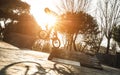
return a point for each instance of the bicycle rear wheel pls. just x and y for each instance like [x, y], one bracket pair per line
[56, 43]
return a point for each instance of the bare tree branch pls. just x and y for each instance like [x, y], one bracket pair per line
[109, 13]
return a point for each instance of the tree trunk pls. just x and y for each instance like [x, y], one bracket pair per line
[74, 45]
[99, 45]
[108, 45]
[71, 42]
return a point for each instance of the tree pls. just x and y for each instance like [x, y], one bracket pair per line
[78, 23]
[22, 28]
[70, 8]
[116, 38]
[74, 15]
[11, 9]
[116, 33]
[109, 15]
[26, 25]
[73, 6]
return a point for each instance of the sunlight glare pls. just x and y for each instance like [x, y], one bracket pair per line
[37, 10]
[51, 20]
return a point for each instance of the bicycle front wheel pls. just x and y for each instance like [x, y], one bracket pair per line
[43, 34]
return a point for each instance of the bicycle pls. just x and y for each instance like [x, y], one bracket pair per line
[50, 34]
[47, 35]
[44, 37]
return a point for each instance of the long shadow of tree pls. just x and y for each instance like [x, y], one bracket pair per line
[57, 69]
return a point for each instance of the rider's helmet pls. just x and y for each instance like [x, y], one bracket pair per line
[47, 10]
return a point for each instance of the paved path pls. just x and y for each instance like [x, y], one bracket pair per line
[15, 61]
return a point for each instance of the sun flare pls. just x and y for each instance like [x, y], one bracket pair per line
[44, 19]
[50, 20]
[37, 10]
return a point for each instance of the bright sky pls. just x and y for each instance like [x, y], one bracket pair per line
[37, 9]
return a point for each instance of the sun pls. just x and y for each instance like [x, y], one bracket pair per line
[37, 10]
[43, 18]
[50, 20]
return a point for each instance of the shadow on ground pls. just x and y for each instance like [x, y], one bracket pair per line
[38, 69]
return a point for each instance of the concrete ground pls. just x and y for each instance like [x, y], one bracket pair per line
[15, 61]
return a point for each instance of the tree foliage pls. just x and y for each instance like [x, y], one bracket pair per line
[77, 23]
[116, 33]
[75, 20]
[19, 23]
[12, 9]
[26, 25]
[73, 24]
[14, 6]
